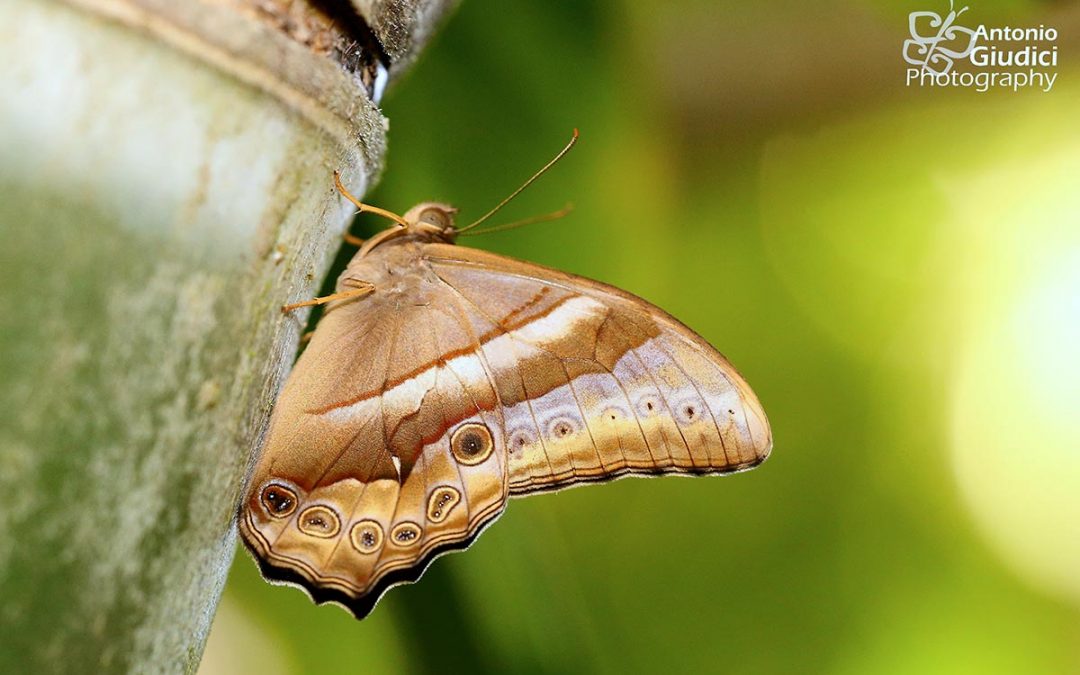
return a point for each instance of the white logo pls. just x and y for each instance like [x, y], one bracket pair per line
[947, 54]
[942, 44]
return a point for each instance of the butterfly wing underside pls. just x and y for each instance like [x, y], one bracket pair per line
[595, 383]
[416, 412]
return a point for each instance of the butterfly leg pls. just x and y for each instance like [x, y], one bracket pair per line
[362, 288]
[352, 239]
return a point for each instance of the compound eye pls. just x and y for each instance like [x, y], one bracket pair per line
[437, 217]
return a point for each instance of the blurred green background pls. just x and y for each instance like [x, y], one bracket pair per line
[897, 273]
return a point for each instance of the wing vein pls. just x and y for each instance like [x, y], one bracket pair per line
[528, 402]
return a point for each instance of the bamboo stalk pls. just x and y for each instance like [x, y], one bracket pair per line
[165, 186]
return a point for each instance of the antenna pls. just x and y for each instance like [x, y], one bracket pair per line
[526, 184]
[554, 215]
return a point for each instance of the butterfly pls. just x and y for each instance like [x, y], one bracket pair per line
[443, 380]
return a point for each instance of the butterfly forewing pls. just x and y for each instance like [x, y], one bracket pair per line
[467, 377]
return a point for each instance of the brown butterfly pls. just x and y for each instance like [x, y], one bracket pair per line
[443, 380]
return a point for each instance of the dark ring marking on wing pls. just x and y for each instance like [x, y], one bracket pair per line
[359, 602]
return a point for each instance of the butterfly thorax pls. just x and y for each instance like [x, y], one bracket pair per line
[389, 262]
[396, 270]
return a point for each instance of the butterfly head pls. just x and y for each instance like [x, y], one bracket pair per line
[431, 220]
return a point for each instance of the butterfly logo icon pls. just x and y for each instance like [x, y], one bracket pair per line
[937, 42]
